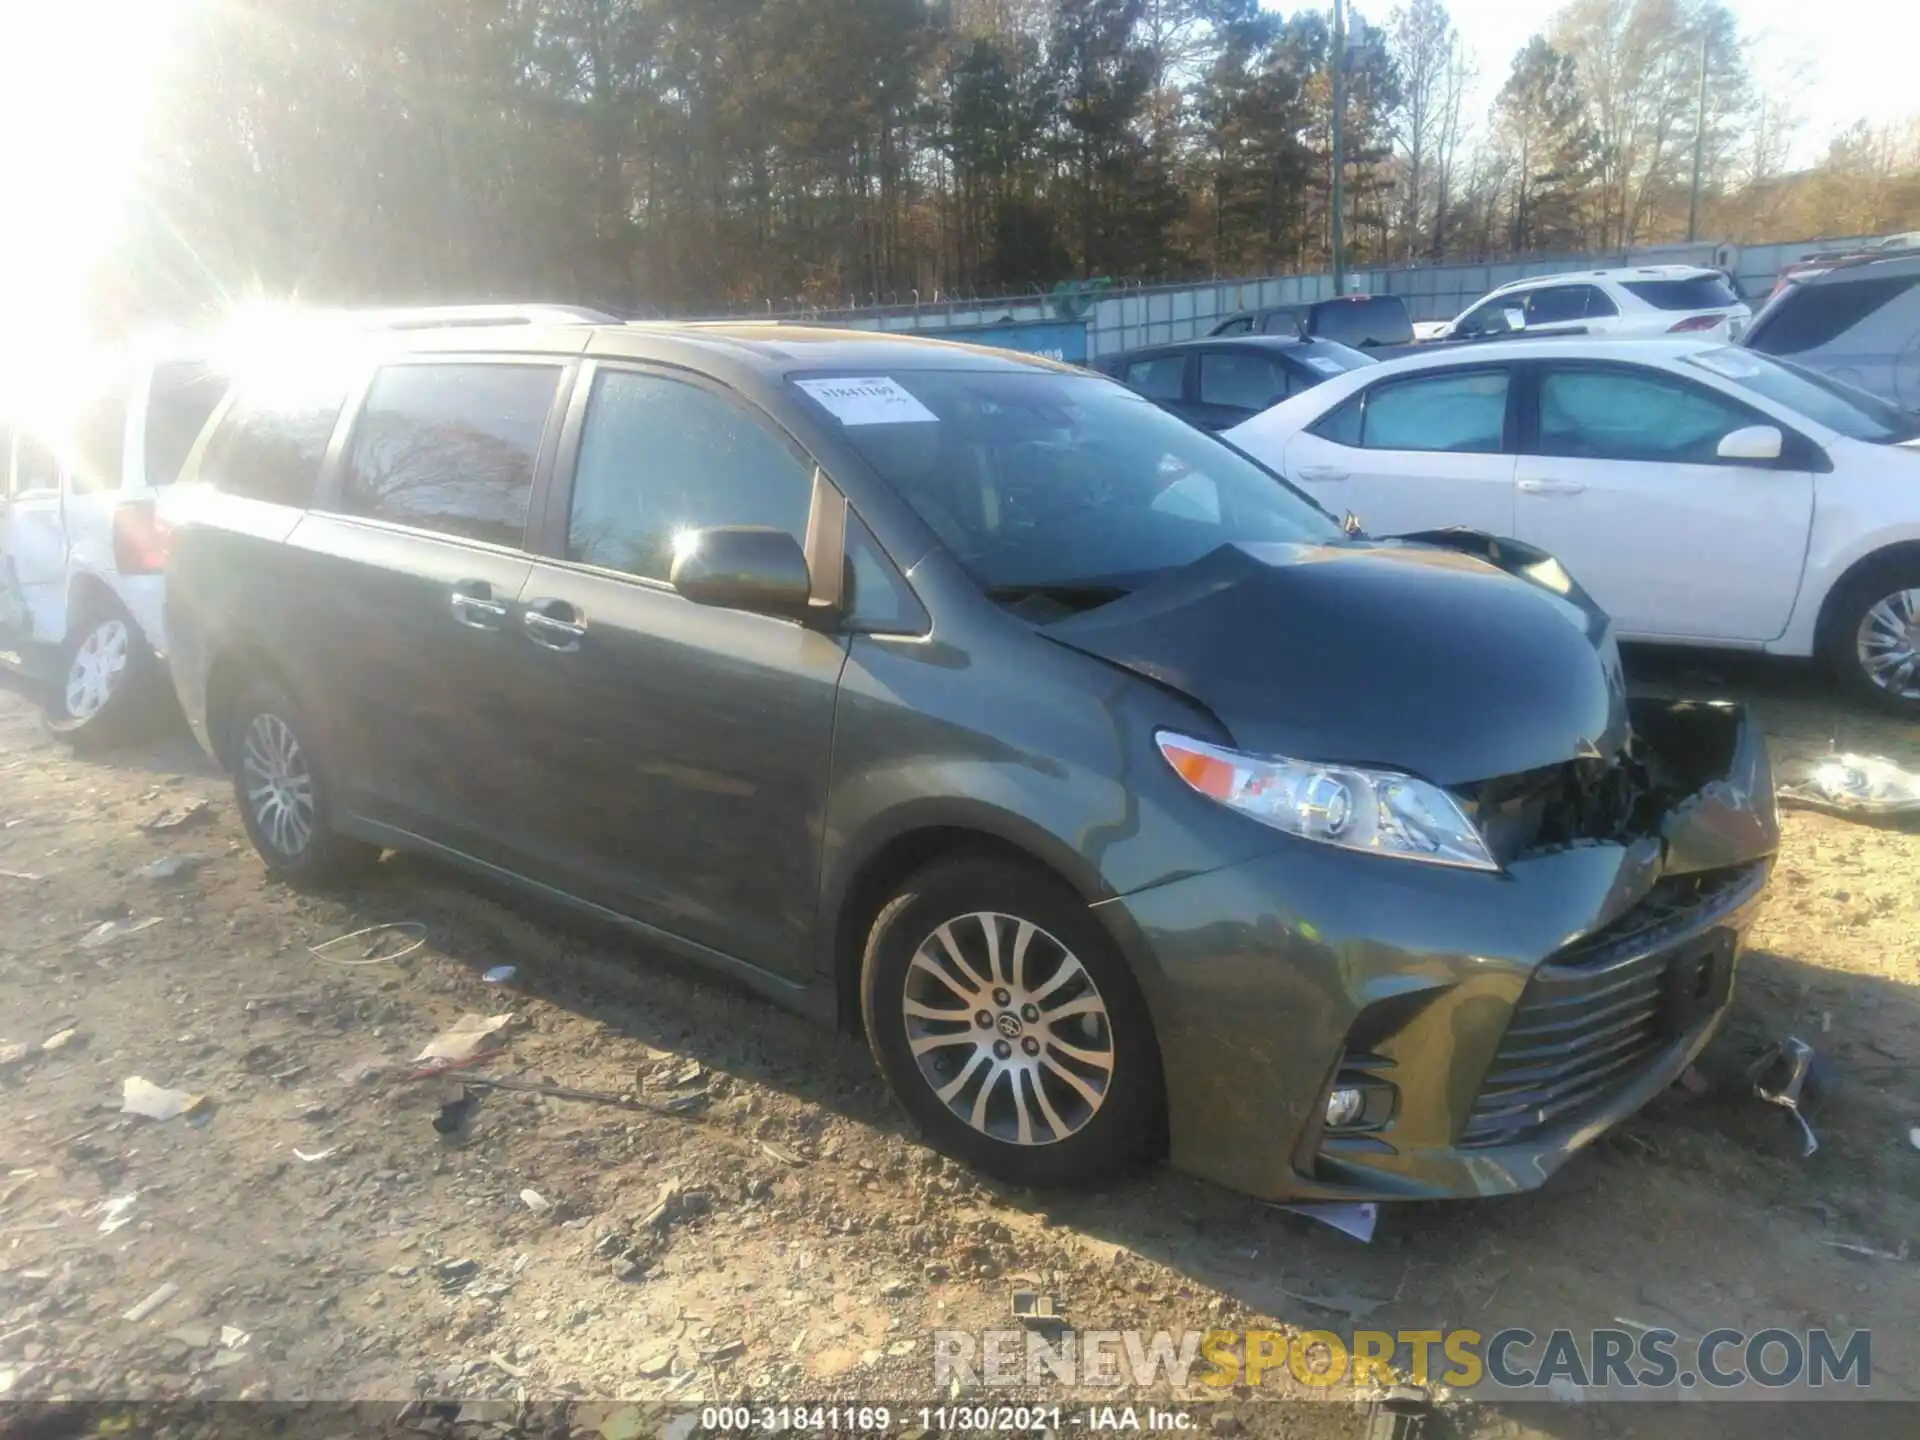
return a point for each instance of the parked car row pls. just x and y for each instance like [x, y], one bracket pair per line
[1703, 493]
[1126, 802]
[1220, 382]
[1255, 359]
[1851, 314]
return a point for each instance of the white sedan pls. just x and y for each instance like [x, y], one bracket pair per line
[1704, 495]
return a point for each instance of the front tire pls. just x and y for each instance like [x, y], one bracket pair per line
[282, 789]
[1872, 643]
[103, 686]
[1009, 1027]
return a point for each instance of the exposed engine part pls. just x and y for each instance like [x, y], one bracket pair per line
[1673, 753]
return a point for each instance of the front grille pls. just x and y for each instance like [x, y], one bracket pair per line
[1591, 1015]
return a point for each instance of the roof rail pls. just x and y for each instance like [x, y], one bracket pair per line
[434, 317]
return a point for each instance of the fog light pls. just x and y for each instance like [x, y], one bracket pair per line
[1344, 1104]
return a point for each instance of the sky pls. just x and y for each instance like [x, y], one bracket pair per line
[1848, 75]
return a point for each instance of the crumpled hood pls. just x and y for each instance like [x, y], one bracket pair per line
[1415, 657]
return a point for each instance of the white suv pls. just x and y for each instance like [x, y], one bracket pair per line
[1641, 301]
[81, 551]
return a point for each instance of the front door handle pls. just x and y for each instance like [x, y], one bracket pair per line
[1551, 487]
[1322, 474]
[473, 605]
[556, 624]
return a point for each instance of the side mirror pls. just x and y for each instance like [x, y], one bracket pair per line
[742, 567]
[1350, 526]
[1515, 317]
[1751, 442]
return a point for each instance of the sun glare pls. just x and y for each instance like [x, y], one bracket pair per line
[73, 116]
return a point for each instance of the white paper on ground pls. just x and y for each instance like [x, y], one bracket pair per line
[1350, 1219]
[464, 1039]
[140, 1096]
[867, 400]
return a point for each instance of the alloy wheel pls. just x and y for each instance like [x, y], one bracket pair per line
[279, 784]
[1887, 644]
[1008, 1028]
[96, 668]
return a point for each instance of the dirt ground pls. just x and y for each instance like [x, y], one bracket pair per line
[756, 1220]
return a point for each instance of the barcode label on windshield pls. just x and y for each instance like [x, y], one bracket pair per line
[867, 400]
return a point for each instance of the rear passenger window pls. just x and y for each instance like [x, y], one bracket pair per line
[269, 444]
[1160, 378]
[1458, 413]
[660, 457]
[451, 448]
[1240, 380]
[36, 467]
[100, 438]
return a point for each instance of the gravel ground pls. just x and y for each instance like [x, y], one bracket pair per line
[744, 1214]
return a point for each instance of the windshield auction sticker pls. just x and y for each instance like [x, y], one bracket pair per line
[867, 400]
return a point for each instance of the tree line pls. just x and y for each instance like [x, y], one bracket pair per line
[688, 156]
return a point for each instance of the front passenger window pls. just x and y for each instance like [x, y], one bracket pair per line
[660, 457]
[1556, 304]
[1618, 415]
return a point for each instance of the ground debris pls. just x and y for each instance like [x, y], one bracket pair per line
[140, 1096]
[178, 817]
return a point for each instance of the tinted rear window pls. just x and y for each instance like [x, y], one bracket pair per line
[99, 437]
[183, 394]
[1698, 292]
[269, 444]
[451, 447]
[1363, 320]
[1810, 316]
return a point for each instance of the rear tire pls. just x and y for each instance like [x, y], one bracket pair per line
[1872, 640]
[106, 681]
[1060, 1086]
[282, 788]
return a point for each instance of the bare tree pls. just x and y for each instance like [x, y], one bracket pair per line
[1422, 42]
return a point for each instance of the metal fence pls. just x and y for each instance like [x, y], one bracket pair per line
[1124, 318]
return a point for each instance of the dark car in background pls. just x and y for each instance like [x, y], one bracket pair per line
[976, 702]
[1857, 320]
[1217, 383]
[1361, 321]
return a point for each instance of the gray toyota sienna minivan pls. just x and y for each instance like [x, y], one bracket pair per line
[1126, 803]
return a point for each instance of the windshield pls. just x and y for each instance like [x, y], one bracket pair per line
[1066, 486]
[1833, 403]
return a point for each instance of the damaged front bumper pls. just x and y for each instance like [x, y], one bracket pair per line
[1494, 1023]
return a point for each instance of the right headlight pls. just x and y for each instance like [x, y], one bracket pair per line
[1378, 812]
